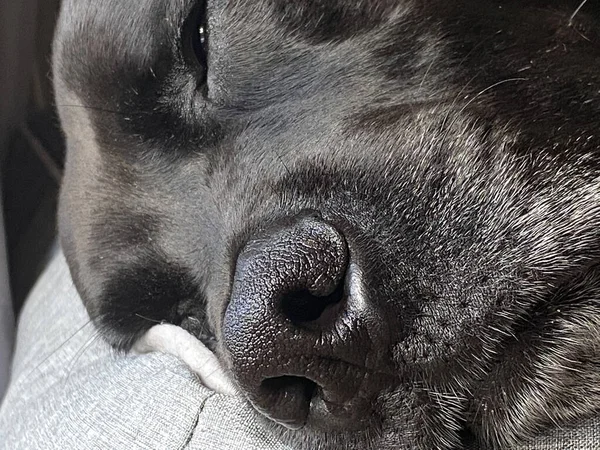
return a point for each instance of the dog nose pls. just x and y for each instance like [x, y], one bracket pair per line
[287, 321]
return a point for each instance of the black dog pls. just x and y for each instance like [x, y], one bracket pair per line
[384, 215]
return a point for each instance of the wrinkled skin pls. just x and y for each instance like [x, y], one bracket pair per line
[454, 145]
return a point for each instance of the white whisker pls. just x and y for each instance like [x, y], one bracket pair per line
[576, 11]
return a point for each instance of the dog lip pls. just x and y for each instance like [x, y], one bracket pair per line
[349, 415]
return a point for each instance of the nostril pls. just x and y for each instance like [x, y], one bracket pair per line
[287, 382]
[303, 307]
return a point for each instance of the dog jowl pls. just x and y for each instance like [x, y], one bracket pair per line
[384, 216]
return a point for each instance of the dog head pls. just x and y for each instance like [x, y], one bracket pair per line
[383, 215]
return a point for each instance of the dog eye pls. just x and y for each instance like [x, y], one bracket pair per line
[197, 36]
[202, 34]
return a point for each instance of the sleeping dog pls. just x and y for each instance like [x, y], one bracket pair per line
[382, 216]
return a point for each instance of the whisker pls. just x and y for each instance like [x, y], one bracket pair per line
[483, 91]
[456, 98]
[576, 12]
[148, 319]
[104, 110]
[468, 83]
[210, 374]
[87, 344]
[280, 158]
[426, 73]
[58, 348]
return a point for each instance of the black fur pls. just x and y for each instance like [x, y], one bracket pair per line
[455, 144]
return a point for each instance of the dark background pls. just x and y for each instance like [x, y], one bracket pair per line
[31, 147]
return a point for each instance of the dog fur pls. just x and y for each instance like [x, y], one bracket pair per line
[455, 144]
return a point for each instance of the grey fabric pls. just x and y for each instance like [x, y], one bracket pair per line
[69, 391]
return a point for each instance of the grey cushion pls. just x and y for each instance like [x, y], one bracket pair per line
[70, 391]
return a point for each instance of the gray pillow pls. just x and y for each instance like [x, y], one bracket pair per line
[70, 391]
